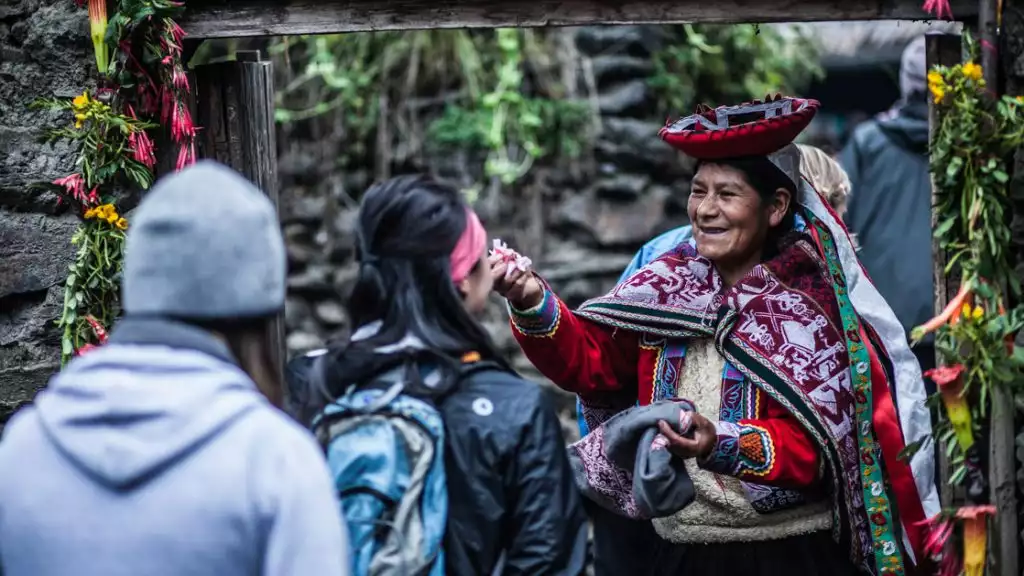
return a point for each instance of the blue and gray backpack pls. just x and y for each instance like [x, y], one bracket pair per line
[385, 450]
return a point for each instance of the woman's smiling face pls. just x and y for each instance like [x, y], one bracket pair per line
[730, 218]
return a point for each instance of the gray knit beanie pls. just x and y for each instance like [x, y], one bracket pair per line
[204, 244]
[913, 70]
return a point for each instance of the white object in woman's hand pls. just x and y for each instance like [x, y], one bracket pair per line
[514, 260]
[513, 277]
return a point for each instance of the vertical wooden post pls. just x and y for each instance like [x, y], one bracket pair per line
[235, 108]
[944, 50]
[1002, 461]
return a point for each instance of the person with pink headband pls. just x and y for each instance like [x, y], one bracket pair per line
[496, 493]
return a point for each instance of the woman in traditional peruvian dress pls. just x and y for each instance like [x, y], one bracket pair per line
[786, 356]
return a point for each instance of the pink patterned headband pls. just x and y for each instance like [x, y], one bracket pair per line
[469, 248]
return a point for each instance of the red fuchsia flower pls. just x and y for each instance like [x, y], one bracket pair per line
[181, 123]
[72, 183]
[170, 48]
[141, 144]
[975, 519]
[74, 186]
[84, 349]
[97, 329]
[950, 383]
[176, 32]
[174, 35]
[186, 155]
[142, 148]
[167, 105]
[93, 198]
[939, 8]
[179, 78]
[939, 530]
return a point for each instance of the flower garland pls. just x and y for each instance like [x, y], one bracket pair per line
[112, 128]
[974, 334]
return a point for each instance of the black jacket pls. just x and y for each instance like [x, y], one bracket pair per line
[890, 208]
[513, 508]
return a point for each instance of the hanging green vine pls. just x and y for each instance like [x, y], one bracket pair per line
[729, 63]
[515, 130]
[112, 131]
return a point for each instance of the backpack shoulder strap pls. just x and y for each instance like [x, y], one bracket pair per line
[478, 368]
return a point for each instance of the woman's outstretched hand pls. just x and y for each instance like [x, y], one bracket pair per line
[705, 437]
[514, 279]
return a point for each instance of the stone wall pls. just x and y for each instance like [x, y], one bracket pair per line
[595, 212]
[44, 51]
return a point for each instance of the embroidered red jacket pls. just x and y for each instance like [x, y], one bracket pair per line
[759, 442]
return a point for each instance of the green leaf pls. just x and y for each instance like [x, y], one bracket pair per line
[950, 448]
[910, 449]
[945, 226]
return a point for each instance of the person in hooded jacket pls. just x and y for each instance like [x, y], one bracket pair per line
[157, 454]
[424, 273]
[889, 208]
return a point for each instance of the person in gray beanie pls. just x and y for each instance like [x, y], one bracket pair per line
[890, 202]
[156, 453]
[889, 206]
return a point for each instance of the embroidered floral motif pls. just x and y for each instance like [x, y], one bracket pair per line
[756, 450]
[887, 556]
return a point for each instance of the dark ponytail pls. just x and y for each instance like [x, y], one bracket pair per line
[407, 229]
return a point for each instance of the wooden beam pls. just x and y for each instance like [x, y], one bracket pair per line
[233, 18]
[235, 107]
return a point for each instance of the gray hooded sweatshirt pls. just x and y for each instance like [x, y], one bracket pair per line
[155, 455]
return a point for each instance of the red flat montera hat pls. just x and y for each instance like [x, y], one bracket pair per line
[750, 129]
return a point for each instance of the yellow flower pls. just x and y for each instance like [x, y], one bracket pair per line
[121, 223]
[90, 213]
[82, 101]
[972, 71]
[105, 211]
[978, 313]
[937, 85]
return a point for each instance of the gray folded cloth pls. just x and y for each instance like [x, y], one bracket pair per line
[623, 464]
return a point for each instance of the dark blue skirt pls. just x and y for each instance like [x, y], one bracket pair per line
[623, 546]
